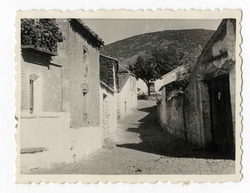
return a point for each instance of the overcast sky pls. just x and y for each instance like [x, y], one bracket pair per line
[112, 30]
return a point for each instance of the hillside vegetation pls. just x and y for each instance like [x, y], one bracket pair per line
[190, 41]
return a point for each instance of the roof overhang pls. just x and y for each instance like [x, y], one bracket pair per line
[107, 87]
[89, 31]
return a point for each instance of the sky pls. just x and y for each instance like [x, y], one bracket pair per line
[112, 30]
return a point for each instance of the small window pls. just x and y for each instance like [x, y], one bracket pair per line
[85, 61]
[31, 96]
[33, 92]
[84, 50]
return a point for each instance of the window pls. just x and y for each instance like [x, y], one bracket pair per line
[85, 61]
[31, 96]
[34, 93]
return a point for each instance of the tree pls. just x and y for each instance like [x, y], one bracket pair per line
[158, 64]
[166, 60]
[145, 70]
[40, 33]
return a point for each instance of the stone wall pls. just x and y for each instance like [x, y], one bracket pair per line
[108, 114]
[192, 113]
[80, 73]
[171, 115]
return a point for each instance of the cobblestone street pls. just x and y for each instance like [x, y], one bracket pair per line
[142, 147]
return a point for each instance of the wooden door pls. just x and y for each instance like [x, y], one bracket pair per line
[221, 114]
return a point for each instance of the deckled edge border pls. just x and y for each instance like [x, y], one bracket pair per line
[87, 179]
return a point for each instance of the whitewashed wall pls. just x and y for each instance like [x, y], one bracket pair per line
[127, 100]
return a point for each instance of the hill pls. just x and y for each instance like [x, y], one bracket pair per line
[190, 41]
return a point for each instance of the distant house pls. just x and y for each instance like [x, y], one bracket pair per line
[127, 93]
[60, 100]
[108, 85]
[142, 88]
[203, 112]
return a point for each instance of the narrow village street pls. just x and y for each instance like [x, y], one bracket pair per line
[142, 147]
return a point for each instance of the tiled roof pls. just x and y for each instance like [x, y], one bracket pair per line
[123, 70]
[91, 32]
[108, 57]
[123, 76]
[107, 87]
[122, 79]
[217, 33]
[106, 70]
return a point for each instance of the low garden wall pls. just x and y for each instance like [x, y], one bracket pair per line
[48, 139]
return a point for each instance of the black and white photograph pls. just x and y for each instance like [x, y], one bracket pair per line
[128, 96]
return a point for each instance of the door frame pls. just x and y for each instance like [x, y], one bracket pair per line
[214, 144]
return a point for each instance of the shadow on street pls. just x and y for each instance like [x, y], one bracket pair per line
[157, 141]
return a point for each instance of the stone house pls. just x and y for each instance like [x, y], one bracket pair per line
[198, 111]
[60, 100]
[108, 98]
[210, 94]
[127, 93]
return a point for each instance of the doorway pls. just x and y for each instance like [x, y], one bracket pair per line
[105, 120]
[221, 114]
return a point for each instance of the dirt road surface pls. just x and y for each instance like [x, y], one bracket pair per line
[142, 147]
